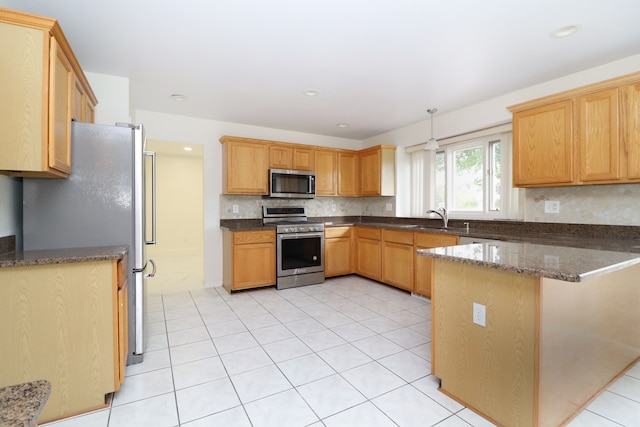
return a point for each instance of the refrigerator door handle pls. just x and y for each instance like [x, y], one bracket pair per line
[152, 154]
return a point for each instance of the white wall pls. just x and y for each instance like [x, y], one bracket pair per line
[113, 98]
[603, 203]
[207, 133]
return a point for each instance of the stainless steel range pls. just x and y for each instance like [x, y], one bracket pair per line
[300, 246]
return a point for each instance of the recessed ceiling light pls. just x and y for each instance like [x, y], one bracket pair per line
[311, 92]
[343, 125]
[178, 97]
[187, 148]
[565, 31]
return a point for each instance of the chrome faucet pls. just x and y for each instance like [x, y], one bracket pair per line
[443, 215]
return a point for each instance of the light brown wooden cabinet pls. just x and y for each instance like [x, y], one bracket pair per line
[326, 163]
[245, 166]
[398, 258]
[67, 325]
[369, 252]
[249, 259]
[288, 156]
[423, 269]
[338, 246]
[588, 135]
[348, 173]
[378, 171]
[38, 81]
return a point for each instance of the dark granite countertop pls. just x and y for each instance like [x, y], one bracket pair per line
[61, 256]
[21, 404]
[603, 237]
[555, 262]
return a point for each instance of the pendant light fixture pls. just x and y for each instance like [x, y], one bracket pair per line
[432, 144]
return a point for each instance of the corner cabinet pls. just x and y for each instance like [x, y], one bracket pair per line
[249, 259]
[588, 135]
[378, 171]
[41, 84]
[69, 326]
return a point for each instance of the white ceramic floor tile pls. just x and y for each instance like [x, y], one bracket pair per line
[305, 369]
[235, 342]
[152, 361]
[218, 316]
[292, 315]
[228, 327]
[155, 328]
[271, 334]
[142, 386]
[364, 414]
[406, 337]
[330, 395]
[154, 316]
[322, 340]
[454, 421]
[159, 411]
[180, 313]
[156, 342]
[423, 350]
[331, 320]
[627, 386]
[304, 326]
[344, 357]
[259, 321]
[188, 336]
[94, 419]
[377, 347]
[353, 331]
[193, 351]
[474, 419]
[198, 372]
[286, 349]
[245, 360]
[381, 324]
[589, 419]
[617, 408]
[429, 386]
[405, 318]
[235, 417]
[206, 399]
[407, 365]
[260, 383]
[184, 323]
[282, 409]
[373, 379]
[409, 407]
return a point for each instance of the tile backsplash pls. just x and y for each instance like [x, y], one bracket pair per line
[614, 204]
[251, 206]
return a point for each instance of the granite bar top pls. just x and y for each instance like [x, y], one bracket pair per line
[21, 404]
[62, 256]
[554, 262]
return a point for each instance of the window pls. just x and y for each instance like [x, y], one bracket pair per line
[468, 177]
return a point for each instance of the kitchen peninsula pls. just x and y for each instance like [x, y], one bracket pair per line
[528, 334]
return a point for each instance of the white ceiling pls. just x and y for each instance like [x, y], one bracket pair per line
[377, 64]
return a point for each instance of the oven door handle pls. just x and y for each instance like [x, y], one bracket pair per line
[287, 236]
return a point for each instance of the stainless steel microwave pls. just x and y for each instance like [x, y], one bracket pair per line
[292, 184]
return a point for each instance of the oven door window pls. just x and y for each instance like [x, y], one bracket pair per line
[303, 252]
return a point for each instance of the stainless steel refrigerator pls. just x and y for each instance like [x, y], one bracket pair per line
[102, 203]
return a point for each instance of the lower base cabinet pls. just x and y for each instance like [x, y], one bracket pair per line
[338, 245]
[397, 258]
[424, 266]
[369, 253]
[249, 259]
[64, 323]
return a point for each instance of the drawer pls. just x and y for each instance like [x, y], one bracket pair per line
[368, 233]
[395, 236]
[435, 240]
[247, 237]
[334, 232]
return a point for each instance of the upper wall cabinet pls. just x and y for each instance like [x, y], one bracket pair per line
[589, 135]
[378, 171]
[43, 88]
[245, 166]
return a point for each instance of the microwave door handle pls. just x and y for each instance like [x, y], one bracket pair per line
[310, 188]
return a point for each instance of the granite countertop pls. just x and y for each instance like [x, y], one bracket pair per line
[21, 404]
[61, 256]
[554, 262]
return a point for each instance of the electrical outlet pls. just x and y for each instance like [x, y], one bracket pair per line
[235, 208]
[333, 207]
[479, 314]
[552, 206]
